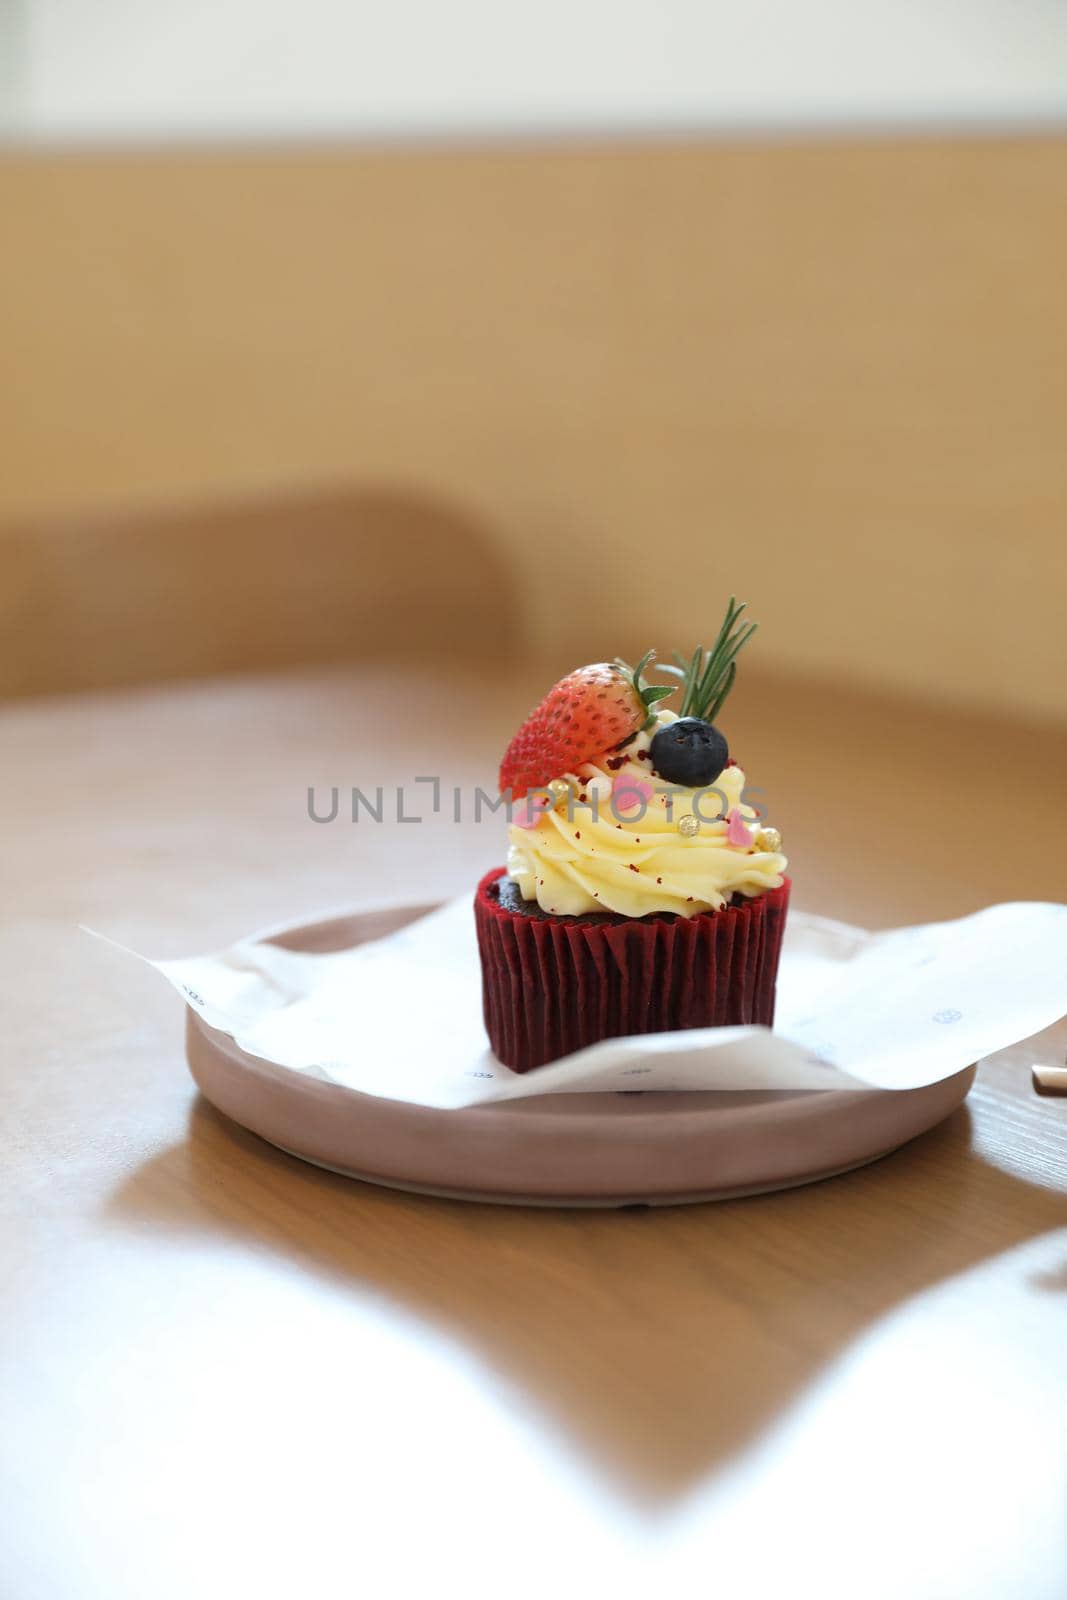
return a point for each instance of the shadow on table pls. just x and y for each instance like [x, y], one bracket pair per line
[659, 1342]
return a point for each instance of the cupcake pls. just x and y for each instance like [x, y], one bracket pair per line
[641, 892]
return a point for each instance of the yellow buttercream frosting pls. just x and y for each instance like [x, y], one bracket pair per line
[635, 863]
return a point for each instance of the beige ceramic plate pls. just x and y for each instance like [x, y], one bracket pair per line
[568, 1149]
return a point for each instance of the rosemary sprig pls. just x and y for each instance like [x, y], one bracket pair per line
[708, 676]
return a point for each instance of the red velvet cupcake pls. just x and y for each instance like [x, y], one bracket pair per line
[641, 893]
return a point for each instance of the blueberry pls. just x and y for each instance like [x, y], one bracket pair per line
[689, 751]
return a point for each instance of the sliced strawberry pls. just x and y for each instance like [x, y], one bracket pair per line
[585, 714]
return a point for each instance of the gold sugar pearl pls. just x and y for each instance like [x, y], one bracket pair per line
[768, 839]
[688, 826]
[558, 790]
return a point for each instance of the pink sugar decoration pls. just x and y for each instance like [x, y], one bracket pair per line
[529, 811]
[737, 830]
[629, 793]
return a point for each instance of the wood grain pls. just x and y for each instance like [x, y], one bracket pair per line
[228, 1373]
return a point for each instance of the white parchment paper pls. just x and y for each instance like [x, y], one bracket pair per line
[401, 1017]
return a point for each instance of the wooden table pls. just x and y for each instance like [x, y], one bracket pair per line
[226, 1373]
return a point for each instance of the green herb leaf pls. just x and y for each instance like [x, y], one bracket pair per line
[708, 676]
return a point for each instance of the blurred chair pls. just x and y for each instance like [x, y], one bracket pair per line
[263, 583]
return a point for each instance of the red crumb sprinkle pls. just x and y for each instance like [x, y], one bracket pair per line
[577, 835]
[615, 762]
[643, 755]
[618, 824]
[659, 880]
[632, 867]
[689, 899]
[584, 798]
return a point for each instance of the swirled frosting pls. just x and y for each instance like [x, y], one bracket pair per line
[636, 861]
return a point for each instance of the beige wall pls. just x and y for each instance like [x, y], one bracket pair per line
[832, 377]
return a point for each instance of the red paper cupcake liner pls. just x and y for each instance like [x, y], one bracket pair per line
[552, 985]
